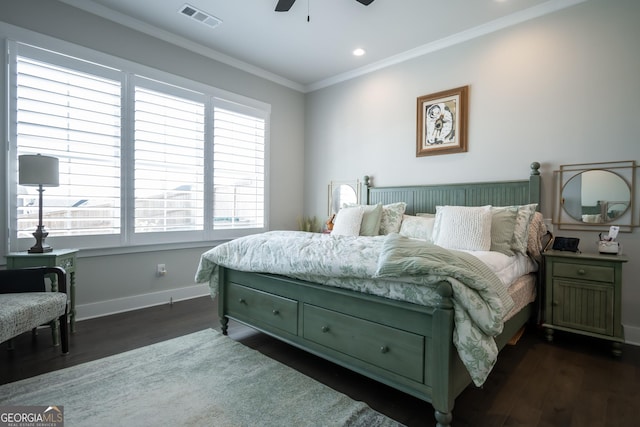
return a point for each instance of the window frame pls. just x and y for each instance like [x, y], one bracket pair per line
[129, 74]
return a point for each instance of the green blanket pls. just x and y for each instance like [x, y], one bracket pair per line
[480, 299]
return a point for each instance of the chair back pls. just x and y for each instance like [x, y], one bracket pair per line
[22, 280]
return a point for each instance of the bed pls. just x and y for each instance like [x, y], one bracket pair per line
[426, 349]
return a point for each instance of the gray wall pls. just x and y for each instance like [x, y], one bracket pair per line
[115, 282]
[560, 89]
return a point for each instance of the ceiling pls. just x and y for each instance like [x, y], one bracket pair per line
[306, 55]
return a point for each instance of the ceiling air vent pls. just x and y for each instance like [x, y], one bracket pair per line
[199, 16]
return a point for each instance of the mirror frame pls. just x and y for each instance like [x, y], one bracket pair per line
[626, 170]
[354, 184]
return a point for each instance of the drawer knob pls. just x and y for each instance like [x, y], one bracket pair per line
[325, 329]
[241, 301]
[276, 311]
[384, 349]
[581, 271]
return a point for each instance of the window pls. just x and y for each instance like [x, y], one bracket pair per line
[169, 162]
[238, 170]
[142, 160]
[74, 116]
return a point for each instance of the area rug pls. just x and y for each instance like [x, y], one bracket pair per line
[201, 379]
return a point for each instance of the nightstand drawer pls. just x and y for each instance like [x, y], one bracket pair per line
[584, 272]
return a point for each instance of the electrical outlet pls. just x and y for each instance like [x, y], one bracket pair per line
[161, 270]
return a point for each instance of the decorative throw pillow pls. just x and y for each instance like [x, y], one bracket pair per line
[372, 214]
[521, 229]
[347, 222]
[417, 227]
[463, 227]
[392, 217]
[537, 230]
[503, 223]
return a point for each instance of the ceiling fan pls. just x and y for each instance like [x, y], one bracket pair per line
[285, 5]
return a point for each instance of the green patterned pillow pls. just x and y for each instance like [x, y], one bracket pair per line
[392, 217]
[521, 229]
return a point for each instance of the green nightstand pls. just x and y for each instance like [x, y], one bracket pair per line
[582, 295]
[65, 258]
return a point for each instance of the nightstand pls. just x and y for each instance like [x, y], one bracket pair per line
[583, 294]
[65, 258]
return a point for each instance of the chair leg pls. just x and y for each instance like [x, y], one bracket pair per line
[64, 333]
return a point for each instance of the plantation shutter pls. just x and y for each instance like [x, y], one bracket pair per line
[169, 162]
[73, 115]
[238, 170]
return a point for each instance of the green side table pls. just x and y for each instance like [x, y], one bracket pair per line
[65, 258]
[583, 292]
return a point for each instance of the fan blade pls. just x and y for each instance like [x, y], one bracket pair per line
[365, 2]
[285, 5]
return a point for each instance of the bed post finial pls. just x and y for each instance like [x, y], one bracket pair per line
[366, 180]
[535, 168]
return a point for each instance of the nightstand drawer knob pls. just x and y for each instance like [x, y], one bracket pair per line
[582, 271]
[276, 312]
[242, 301]
[384, 349]
[325, 329]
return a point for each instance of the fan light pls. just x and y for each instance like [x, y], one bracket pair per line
[359, 52]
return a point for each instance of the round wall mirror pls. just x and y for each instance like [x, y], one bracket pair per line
[596, 196]
[340, 195]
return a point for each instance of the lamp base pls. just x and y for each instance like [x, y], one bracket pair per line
[40, 247]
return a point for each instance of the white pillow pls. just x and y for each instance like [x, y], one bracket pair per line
[463, 227]
[417, 227]
[347, 222]
[372, 214]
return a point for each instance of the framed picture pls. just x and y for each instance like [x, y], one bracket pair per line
[442, 122]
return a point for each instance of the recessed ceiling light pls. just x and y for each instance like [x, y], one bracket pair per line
[359, 52]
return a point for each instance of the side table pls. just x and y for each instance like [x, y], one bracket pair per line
[65, 258]
[583, 294]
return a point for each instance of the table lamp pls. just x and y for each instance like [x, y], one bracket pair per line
[38, 171]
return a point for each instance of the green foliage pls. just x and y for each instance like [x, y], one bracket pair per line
[307, 223]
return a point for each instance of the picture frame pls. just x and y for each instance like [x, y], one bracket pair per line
[442, 122]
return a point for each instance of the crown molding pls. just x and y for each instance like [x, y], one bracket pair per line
[546, 8]
[470, 34]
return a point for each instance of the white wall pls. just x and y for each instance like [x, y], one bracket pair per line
[560, 89]
[118, 282]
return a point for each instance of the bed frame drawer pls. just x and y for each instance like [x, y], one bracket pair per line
[265, 309]
[388, 348]
[584, 272]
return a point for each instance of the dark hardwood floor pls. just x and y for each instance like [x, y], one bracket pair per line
[573, 382]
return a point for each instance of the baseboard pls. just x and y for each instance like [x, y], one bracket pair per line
[120, 305]
[632, 335]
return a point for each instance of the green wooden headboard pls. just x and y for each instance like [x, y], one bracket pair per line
[425, 198]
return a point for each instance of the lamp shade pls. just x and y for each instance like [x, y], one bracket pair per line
[36, 169]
